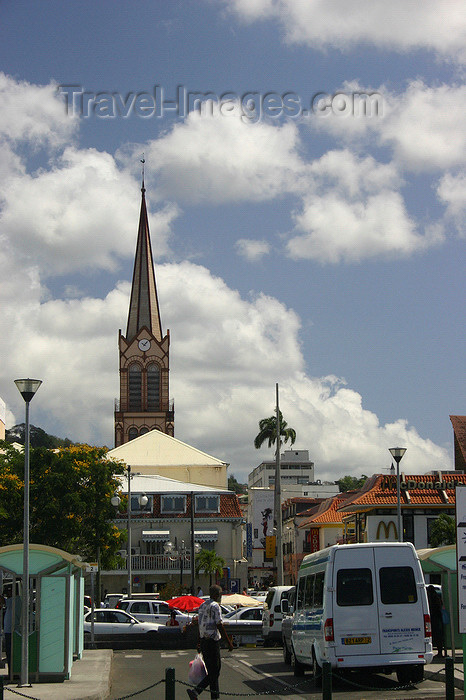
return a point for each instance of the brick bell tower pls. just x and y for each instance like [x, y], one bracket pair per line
[144, 403]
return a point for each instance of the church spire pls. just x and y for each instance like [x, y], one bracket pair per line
[144, 305]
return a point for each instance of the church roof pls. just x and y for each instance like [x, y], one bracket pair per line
[157, 449]
[144, 305]
[154, 483]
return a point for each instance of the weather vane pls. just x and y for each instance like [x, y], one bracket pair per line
[142, 160]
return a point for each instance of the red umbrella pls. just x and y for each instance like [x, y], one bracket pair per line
[188, 603]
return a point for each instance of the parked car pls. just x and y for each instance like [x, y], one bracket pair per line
[113, 621]
[111, 599]
[244, 625]
[287, 623]
[252, 617]
[272, 620]
[151, 611]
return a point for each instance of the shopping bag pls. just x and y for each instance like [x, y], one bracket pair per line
[197, 670]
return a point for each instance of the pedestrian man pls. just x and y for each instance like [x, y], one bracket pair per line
[211, 631]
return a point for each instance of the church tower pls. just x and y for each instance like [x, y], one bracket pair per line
[144, 403]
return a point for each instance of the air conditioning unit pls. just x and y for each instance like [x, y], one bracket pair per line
[123, 553]
[135, 550]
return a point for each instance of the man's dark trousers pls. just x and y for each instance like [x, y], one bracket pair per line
[210, 649]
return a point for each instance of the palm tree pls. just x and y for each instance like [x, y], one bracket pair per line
[268, 431]
[211, 562]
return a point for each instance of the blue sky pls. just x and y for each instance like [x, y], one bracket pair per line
[323, 251]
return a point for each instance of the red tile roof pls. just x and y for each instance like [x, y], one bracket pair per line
[327, 512]
[459, 431]
[416, 490]
[229, 508]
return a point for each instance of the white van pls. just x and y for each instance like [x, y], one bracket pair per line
[362, 606]
[273, 616]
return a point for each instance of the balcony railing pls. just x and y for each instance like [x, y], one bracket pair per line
[157, 562]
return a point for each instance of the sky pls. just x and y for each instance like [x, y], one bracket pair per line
[306, 187]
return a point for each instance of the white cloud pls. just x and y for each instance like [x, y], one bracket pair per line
[82, 203]
[251, 249]
[227, 352]
[425, 125]
[226, 355]
[400, 25]
[224, 159]
[353, 212]
[452, 191]
[33, 113]
[422, 126]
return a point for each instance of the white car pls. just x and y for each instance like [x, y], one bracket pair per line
[112, 621]
[152, 611]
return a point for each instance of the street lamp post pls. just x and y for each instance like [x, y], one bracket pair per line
[143, 501]
[180, 553]
[397, 454]
[27, 388]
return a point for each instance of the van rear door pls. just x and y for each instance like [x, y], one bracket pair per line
[355, 610]
[401, 609]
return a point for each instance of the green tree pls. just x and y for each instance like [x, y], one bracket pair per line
[211, 562]
[234, 485]
[268, 431]
[443, 531]
[70, 492]
[351, 483]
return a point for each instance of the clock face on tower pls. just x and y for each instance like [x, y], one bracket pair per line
[144, 345]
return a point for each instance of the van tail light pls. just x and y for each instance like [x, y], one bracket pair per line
[427, 626]
[328, 629]
[271, 620]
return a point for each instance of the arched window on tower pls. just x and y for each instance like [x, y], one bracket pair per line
[132, 433]
[153, 387]
[143, 431]
[135, 387]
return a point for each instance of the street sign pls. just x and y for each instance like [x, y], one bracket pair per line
[235, 584]
[249, 540]
[92, 568]
[460, 493]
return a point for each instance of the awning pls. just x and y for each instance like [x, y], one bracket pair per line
[152, 535]
[206, 535]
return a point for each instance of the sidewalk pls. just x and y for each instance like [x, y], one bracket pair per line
[437, 668]
[90, 680]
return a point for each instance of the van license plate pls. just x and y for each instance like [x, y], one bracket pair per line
[357, 640]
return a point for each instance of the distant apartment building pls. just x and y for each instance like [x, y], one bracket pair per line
[295, 467]
[297, 477]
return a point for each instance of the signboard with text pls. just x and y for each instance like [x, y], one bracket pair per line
[270, 546]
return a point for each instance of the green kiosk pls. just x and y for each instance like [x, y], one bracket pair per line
[56, 581]
[442, 561]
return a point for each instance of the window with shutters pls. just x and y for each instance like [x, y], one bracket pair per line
[153, 387]
[135, 387]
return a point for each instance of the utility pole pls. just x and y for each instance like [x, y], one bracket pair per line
[277, 505]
